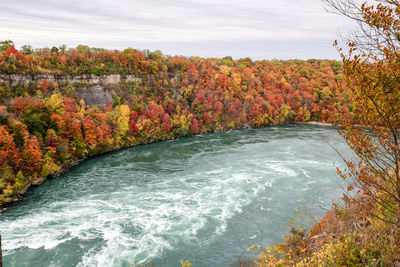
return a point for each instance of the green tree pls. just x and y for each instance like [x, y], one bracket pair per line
[26, 49]
[5, 44]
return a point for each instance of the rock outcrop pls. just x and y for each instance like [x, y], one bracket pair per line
[94, 90]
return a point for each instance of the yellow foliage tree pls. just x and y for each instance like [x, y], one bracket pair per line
[121, 115]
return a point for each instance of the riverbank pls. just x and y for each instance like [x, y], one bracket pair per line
[315, 123]
[37, 182]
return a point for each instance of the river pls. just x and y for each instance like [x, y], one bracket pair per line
[204, 198]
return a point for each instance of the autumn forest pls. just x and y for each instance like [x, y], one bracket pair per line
[45, 128]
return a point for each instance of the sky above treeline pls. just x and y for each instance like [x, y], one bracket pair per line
[260, 29]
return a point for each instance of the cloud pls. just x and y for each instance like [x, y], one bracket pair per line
[257, 28]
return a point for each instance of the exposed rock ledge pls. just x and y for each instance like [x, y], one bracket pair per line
[93, 88]
[12, 80]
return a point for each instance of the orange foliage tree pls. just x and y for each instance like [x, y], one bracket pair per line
[32, 155]
[372, 69]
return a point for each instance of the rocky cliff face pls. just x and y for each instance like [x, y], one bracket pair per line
[95, 90]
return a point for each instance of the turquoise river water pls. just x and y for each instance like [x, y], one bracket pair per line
[205, 198]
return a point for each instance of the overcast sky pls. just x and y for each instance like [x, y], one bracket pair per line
[259, 29]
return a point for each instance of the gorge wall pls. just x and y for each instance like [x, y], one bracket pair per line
[94, 90]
